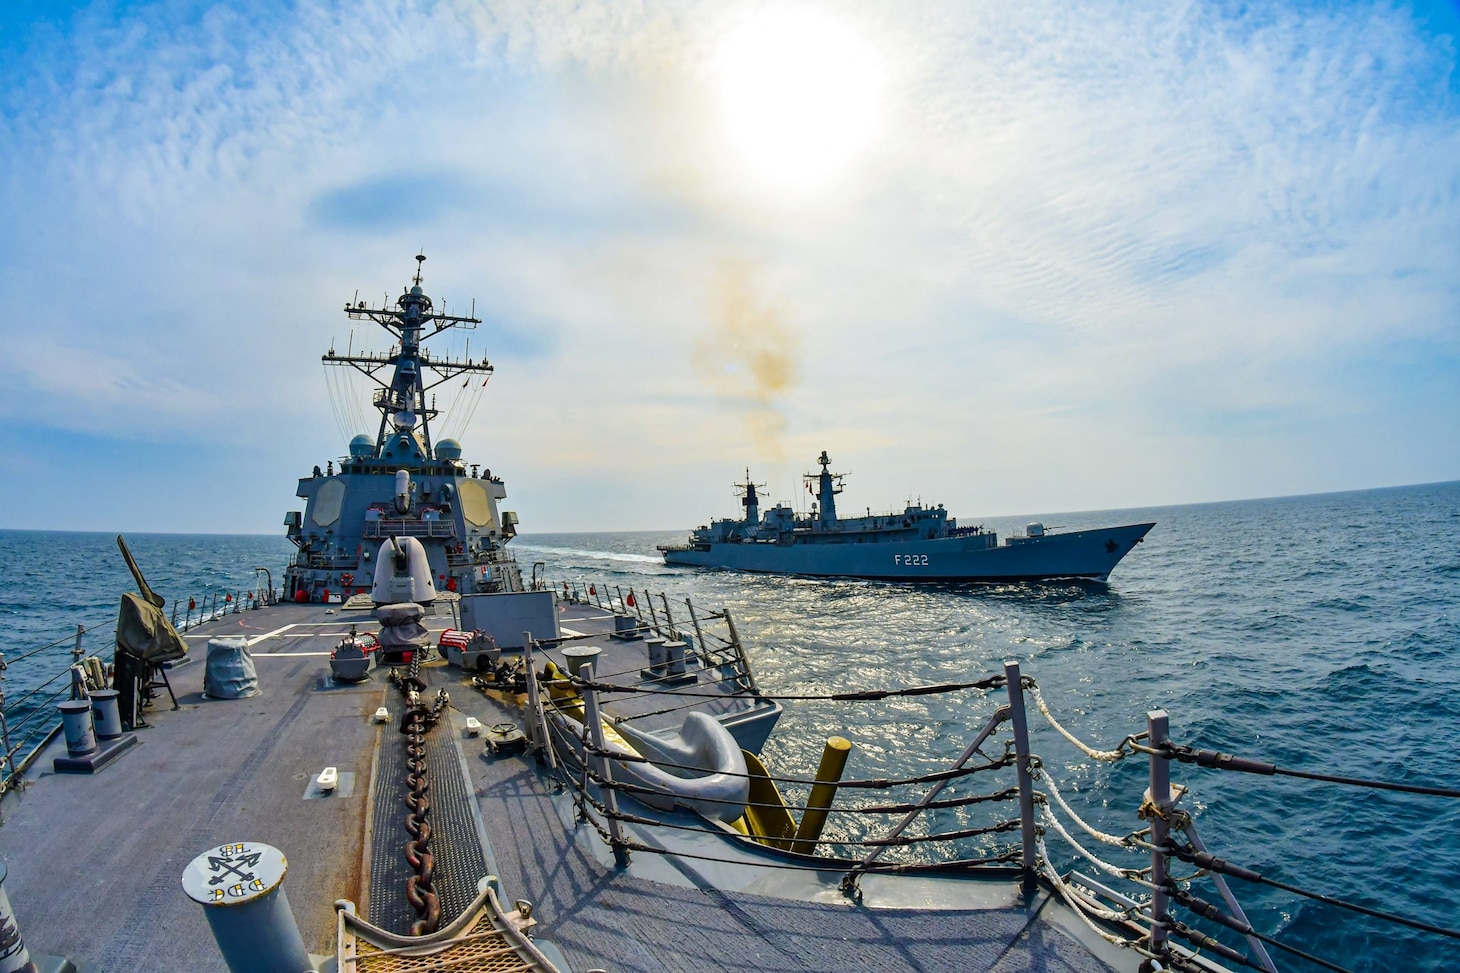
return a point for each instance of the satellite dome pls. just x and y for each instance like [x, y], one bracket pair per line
[448, 449]
[362, 447]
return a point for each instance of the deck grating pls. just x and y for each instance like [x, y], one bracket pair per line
[459, 859]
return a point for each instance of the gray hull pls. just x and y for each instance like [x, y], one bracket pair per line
[1084, 554]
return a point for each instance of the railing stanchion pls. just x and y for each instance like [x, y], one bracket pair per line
[653, 616]
[1158, 803]
[669, 620]
[1015, 687]
[699, 635]
[5, 729]
[740, 652]
[537, 721]
[605, 774]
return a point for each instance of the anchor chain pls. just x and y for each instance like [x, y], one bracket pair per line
[416, 721]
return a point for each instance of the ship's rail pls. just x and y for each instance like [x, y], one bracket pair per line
[409, 528]
[710, 634]
[340, 562]
[998, 806]
[29, 720]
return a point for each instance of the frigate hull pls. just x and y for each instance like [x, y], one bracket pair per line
[1084, 554]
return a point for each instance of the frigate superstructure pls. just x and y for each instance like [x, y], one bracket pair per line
[917, 544]
[402, 483]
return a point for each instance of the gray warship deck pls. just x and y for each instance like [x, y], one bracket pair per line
[95, 861]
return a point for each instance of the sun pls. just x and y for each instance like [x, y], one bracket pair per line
[800, 95]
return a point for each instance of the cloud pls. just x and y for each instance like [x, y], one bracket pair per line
[390, 202]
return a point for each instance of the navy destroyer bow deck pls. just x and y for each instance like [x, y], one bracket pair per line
[918, 544]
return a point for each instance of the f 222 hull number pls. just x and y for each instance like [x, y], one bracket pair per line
[909, 559]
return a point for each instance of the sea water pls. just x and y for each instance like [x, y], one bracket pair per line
[1317, 633]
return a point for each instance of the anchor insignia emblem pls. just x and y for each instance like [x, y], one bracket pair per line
[231, 864]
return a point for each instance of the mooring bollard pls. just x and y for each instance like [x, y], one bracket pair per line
[14, 958]
[105, 713]
[675, 651]
[76, 719]
[241, 890]
[658, 658]
[576, 656]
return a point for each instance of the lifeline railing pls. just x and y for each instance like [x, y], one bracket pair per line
[712, 635]
[35, 719]
[1143, 919]
[218, 602]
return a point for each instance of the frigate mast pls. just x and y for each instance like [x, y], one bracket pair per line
[749, 499]
[829, 484]
[402, 400]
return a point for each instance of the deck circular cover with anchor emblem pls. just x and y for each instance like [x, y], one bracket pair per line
[234, 874]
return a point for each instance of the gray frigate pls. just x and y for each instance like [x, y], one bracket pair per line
[917, 544]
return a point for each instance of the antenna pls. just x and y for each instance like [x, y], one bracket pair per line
[420, 259]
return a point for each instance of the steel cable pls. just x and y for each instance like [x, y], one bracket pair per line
[866, 695]
[875, 783]
[1247, 765]
[1211, 863]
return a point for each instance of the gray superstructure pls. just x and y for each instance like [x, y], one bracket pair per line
[402, 483]
[918, 544]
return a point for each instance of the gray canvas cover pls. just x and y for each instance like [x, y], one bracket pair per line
[399, 613]
[230, 673]
[144, 631]
[408, 636]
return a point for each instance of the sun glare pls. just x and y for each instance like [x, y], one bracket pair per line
[799, 92]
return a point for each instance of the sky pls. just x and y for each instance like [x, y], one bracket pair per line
[1016, 258]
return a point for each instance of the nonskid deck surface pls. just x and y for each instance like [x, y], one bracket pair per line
[605, 918]
[655, 916]
[96, 861]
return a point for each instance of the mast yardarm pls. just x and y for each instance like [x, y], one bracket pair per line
[402, 400]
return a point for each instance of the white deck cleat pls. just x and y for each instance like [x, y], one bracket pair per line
[328, 778]
[473, 726]
[382, 715]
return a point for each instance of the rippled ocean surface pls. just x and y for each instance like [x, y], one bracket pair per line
[1319, 633]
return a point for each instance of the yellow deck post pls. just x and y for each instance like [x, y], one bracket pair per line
[823, 792]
